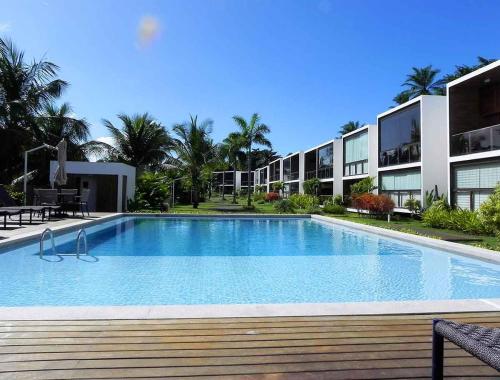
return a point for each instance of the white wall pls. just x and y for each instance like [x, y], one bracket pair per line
[373, 152]
[434, 144]
[338, 167]
[102, 168]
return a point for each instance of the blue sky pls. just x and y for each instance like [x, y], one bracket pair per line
[307, 66]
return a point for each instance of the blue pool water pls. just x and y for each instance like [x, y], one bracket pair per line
[161, 261]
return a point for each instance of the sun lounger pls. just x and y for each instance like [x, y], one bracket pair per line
[481, 342]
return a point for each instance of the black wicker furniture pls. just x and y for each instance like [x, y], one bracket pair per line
[481, 342]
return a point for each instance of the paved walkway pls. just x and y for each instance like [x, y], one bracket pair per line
[14, 230]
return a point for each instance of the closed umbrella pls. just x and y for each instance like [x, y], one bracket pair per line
[60, 176]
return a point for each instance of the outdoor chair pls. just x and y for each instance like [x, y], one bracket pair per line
[83, 201]
[49, 199]
[481, 342]
[9, 208]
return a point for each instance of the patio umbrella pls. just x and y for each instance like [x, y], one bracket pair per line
[60, 176]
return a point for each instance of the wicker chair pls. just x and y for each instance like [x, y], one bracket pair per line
[481, 342]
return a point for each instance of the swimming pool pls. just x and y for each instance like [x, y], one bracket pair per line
[187, 261]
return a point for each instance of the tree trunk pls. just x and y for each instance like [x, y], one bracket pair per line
[223, 184]
[249, 167]
[234, 183]
[195, 191]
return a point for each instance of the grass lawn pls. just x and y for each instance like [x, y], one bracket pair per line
[406, 224]
[216, 206]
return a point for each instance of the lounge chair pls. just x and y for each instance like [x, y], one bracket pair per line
[9, 208]
[481, 342]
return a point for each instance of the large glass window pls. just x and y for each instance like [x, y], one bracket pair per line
[263, 176]
[401, 185]
[325, 161]
[356, 154]
[274, 171]
[310, 164]
[399, 137]
[472, 184]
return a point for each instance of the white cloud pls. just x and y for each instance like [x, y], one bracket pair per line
[106, 139]
[148, 31]
[4, 27]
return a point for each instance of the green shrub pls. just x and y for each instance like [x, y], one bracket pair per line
[304, 201]
[435, 217]
[311, 186]
[284, 206]
[366, 185]
[334, 209]
[277, 186]
[413, 205]
[489, 212]
[259, 197]
[151, 192]
[338, 200]
[313, 210]
[466, 221]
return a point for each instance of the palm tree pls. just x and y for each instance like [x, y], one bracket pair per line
[462, 70]
[232, 149]
[253, 132]
[423, 81]
[25, 88]
[57, 123]
[402, 97]
[142, 142]
[349, 127]
[193, 149]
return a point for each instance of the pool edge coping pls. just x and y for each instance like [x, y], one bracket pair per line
[35, 313]
[448, 246]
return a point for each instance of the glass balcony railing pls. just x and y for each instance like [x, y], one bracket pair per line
[479, 140]
[356, 168]
[401, 196]
[309, 174]
[404, 154]
[290, 176]
[326, 172]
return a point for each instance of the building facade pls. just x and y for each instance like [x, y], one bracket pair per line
[474, 136]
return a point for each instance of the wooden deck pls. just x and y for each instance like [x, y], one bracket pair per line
[327, 347]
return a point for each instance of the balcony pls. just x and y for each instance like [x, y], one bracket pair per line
[326, 172]
[293, 176]
[401, 196]
[356, 168]
[404, 154]
[480, 140]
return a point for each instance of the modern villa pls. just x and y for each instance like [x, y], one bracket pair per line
[474, 136]
[411, 156]
[293, 173]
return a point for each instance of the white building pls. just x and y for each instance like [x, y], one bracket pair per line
[111, 184]
[412, 156]
[319, 163]
[473, 137]
[359, 152]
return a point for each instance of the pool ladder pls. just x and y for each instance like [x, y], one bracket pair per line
[82, 235]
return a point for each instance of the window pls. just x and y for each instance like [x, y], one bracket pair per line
[401, 185]
[399, 137]
[474, 183]
[356, 154]
[274, 171]
[325, 161]
[263, 176]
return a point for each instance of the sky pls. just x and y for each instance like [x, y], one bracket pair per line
[306, 66]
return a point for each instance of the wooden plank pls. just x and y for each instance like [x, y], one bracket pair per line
[285, 327]
[394, 369]
[253, 319]
[359, 347]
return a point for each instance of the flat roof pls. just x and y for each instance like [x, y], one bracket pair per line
[320, 145]
[359, 130]
[475, 73]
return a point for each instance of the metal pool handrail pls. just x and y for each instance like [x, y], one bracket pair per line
[81, 235]
[42, 238]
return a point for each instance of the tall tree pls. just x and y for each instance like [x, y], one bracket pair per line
[25, 88]
[231, 148]
[402, 97]
[193, 149]
[252, 132]
[423, 81]
[141, 142]
[461, 70]
[349, 127]
[262, 157]
[57, 123]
